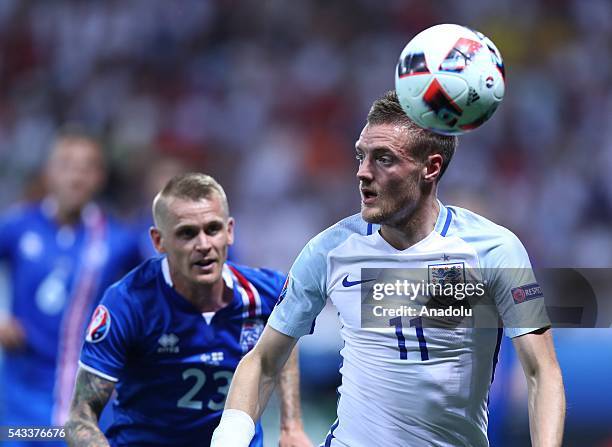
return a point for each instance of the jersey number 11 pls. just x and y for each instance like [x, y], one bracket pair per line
[417, 323]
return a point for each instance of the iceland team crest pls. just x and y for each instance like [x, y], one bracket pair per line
[251, 330]
[99, 326]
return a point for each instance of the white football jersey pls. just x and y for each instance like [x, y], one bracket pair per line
[411, 385]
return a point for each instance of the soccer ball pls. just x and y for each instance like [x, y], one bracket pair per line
[450, 79]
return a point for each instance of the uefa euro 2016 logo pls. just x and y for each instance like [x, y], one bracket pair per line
[99, 326]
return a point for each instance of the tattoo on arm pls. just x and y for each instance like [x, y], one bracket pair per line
[91, 393]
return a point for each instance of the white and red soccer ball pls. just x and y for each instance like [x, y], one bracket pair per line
[450, 79]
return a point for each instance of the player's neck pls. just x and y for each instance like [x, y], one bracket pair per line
[413, 228]
[206, 297]
[62, 215]
[67, 217]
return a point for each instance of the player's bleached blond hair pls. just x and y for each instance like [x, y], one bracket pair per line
[192, 186]
[387, 110]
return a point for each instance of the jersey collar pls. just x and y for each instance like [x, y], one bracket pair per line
[165, 267]
[441, 227]
[166, 272]
[445, 216]
[443, 221]
[227, 278]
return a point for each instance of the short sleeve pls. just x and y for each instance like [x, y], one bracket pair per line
[111, 333]
[303, 295]
[272, 282]
[515, 290]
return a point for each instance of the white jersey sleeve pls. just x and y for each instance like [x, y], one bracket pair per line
[303, 296]
[507, 270]
[305, 292]
[513, 285]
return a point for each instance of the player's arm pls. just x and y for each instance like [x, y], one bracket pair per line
[292, 430]
[251, 387]
[536, 352]
[91, 393]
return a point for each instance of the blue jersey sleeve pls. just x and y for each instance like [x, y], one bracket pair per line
[10, 230]
[274, 281]
[267, 285]
[111, 334]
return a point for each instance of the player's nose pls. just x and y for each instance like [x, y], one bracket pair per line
[202, 242]
[364, 173]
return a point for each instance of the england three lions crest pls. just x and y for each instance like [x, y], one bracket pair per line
[251, 331]
[447, 273]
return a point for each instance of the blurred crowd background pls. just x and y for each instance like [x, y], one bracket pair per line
[270, 96]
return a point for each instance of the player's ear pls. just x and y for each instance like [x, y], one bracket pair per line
[230, 231]
[156, 238]
[432, 167]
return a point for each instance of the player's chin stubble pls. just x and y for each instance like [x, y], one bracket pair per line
[372, 216]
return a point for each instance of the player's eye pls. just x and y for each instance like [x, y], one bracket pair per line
[213, 229]
[186, 233]
[359, 157]
[385, 159]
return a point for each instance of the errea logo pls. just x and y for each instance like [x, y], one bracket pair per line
[168, 344]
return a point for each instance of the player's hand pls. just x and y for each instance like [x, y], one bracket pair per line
[12, 335]
[294, 437]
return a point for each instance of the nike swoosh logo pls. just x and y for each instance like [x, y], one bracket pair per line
[347, 283]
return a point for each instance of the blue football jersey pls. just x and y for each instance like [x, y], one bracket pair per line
[172, 364]
[57, 274]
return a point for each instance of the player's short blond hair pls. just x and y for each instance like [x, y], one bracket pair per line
[192, 186]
